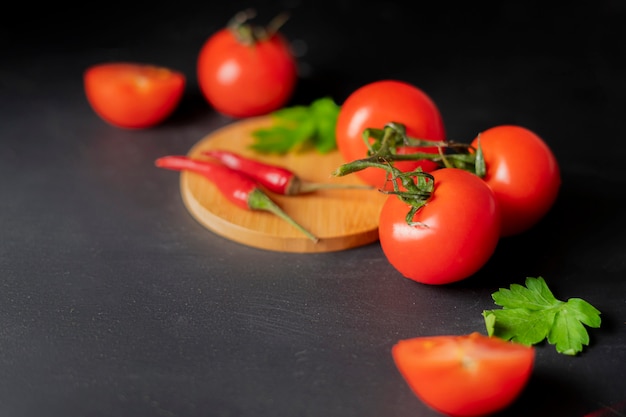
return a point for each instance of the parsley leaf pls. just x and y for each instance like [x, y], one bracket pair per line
[531, 314]
[298, 127]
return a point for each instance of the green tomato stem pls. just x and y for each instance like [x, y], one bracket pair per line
[417, 186]
[414, 187]
[249, 34]
[382, 152]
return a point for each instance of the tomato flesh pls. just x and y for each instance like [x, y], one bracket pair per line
[243, 80]
[459, 231]
[131, 95]
[376, 104]
[523, 173]
[464, 376]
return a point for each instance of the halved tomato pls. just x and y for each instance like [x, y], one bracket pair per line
[464, 376]
[132, 95]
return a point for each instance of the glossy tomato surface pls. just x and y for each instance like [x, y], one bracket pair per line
[132, 95]
[523, 173]
[458, 230]
[376, 104]
[464, 376]
[246, 79]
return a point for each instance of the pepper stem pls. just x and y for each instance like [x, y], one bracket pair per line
[298, 186]
[258, 200]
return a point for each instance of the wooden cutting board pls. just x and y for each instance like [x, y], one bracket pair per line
[340, 218]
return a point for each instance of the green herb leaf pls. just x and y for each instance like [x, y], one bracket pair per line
[531, 314]
[298, 127]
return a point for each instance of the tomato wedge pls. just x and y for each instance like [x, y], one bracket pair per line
[467, 375]
[131, 95]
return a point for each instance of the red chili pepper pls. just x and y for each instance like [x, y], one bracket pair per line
[237, 187]
[275, 178]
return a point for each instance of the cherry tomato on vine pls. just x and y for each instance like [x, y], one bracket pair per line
[464, 376]
[456, 233]
[246, 71]
[132, 95]
[523, 173]
[376, 104]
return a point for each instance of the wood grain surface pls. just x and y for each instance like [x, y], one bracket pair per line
[340, 218]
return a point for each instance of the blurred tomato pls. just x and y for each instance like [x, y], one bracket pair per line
[244, 70]
[464, 376]
[132, 95]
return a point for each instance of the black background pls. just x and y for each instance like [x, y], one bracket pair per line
[115, 302]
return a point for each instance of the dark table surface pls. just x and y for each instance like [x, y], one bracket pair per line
[114, 301]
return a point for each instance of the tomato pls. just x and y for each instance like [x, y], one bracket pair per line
[376, 104]
[523, 173]
[132, 95]
[243, 77]
[458, 230]
[464, 376]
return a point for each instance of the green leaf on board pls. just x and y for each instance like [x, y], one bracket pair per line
[300, 127]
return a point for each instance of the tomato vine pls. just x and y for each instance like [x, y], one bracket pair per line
[413, 187]
[501, 156]
[249, 34]
[382, 145]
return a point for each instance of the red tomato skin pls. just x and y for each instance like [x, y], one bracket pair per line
[241, 80]
[461, 232]
[132, 95]
[378, 103]
[464, 376]
[523, 173]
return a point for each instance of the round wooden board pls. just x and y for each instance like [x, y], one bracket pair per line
[340, 218]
